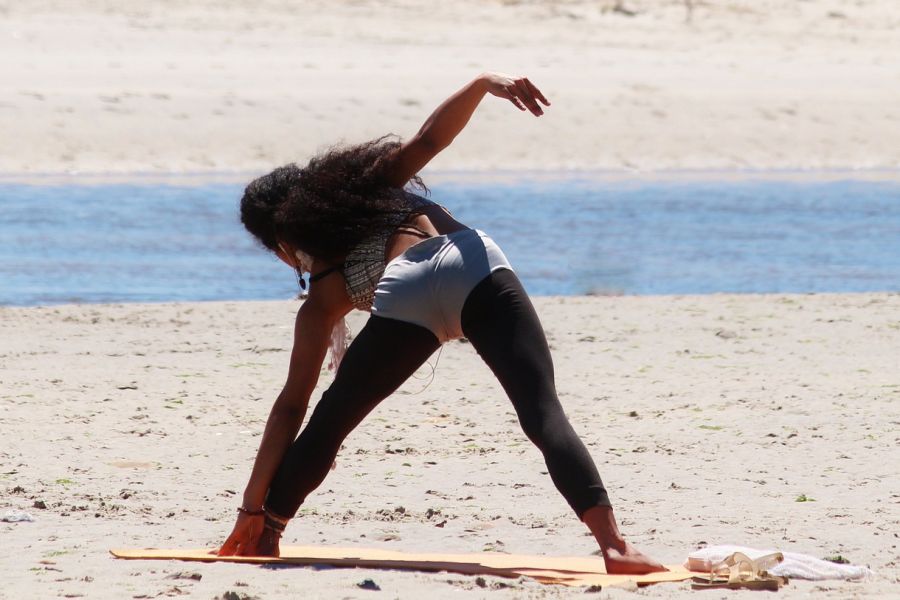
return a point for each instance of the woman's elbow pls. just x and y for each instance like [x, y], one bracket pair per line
[287, 412]
[430, 143]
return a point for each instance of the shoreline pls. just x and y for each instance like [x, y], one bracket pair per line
[178, 304]
[464, 176]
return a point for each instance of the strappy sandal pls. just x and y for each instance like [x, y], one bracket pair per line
[739, 572]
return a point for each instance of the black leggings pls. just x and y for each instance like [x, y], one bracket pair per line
[500, 322]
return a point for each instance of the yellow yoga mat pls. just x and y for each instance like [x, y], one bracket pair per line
[546, 569]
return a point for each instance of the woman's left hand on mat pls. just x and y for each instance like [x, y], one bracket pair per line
[245, 536]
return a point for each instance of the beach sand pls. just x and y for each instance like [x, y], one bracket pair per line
[104, 86]
[709, 416]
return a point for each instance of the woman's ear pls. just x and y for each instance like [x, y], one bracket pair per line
[286, 255]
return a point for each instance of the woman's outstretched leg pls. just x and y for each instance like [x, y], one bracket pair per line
[384, 355]
[502, 325]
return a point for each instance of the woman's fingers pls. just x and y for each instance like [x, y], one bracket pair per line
[522, 94]
[509, 94]
[244, 537]
[243, 545]
[525, 94]
[536, 92]
[519, 90]
[229, 547]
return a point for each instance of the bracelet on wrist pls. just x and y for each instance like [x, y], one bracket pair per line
[251, 513]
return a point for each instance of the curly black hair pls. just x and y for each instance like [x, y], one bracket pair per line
[327, 207]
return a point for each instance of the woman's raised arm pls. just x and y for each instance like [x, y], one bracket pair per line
[451, 117]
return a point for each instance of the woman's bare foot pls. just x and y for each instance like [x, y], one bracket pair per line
[268, 543]
[628, 560]
[621, 558]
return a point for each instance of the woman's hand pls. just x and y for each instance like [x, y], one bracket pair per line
[518, 90]
[245, 537]
[448, 119]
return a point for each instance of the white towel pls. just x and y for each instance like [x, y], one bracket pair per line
[800, 566]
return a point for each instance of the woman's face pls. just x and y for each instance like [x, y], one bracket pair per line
[295, 259]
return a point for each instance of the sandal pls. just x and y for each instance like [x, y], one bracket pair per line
[740, 572]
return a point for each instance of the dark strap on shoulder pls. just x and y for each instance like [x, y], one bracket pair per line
[413, 230]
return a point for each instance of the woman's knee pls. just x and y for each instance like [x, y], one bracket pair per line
[541, 420]
[533, 429]
[332, 417]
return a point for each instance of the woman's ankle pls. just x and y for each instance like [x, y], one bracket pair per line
[602, 523]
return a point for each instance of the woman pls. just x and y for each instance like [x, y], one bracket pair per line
[367, 243]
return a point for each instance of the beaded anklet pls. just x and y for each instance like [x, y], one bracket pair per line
[275, 522]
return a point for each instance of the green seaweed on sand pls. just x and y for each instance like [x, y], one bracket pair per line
[837, 558]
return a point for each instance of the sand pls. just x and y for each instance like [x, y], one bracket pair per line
[136, 425]
[121, 86]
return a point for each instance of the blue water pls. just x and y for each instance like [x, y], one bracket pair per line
[129, 243]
